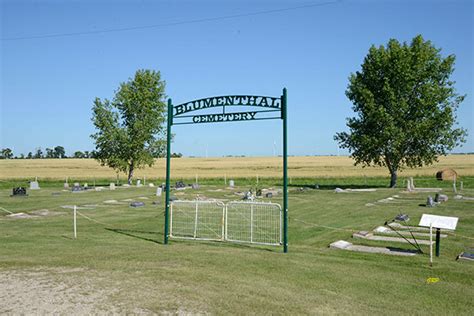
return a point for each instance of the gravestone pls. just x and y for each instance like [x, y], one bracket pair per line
[34, 185]
[151, 185]
[139, 183]
[77, 184]
[77, 188]
[112, 186]
[19, 191]
[248, 196]
[402, 218]
[231, 183]
[180, 185]
[195, 186]
[429, 201]
[66, 185]
[86, 186]
[269, 195]
[137, 204]
[440, 198]
[159, 190]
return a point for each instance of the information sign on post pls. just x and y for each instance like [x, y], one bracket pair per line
[438, 222]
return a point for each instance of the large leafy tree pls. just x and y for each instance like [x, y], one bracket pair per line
[6, 153]
[406, 107]
[130, 126]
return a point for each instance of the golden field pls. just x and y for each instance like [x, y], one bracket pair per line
[234, 167]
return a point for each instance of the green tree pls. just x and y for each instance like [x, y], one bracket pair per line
[406, 107]
[30, 155]
[38, 154]
[59, 152]
[49, 153]
[79, 154]
[129, 126]
[6, 153]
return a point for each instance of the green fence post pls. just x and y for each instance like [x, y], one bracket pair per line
[168, 168]
[285, 171]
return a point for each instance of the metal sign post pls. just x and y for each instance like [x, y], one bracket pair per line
[242, 108]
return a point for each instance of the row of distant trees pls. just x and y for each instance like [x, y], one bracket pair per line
[58, 152]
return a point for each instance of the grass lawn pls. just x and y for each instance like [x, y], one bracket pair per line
[119, 264]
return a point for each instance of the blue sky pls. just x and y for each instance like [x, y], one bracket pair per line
[48, 84]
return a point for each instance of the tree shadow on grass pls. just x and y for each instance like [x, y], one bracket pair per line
[137, 234]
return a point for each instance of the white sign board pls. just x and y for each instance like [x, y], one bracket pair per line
[437, 221]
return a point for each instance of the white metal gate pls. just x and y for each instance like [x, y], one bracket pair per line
[250, 222]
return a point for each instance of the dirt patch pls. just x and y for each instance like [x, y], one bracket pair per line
[51, 292]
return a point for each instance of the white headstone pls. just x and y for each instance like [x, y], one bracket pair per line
[139, 183]
[159, 191]
[34, 185]
[76, 184]
[151, 185]
[231, 183]
[66, 185]
[112, 186]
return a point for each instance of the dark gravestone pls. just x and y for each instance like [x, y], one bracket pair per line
[269, 195]
[77, 188]
[402, 218]
[466, 256]
[180, 185]
[137, 204]
[19, 191]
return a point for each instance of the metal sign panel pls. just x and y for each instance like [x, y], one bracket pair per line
[242, 108]
[444, 222]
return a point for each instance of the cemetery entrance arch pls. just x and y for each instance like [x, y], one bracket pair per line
[229, 108]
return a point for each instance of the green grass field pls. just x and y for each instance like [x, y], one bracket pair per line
[119, 264]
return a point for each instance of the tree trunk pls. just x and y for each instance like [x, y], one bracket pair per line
[393, 178]
[130, 173]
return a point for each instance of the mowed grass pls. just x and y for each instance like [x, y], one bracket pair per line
[122, 250]
[232, 167]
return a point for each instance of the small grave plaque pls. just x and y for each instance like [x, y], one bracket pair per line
[195, 186]
[34, 185]
[139, 183]
[112, 186]
[66, 185]
[269, 195]
[137, 204]
[231, 183]
[20, 191]
[159, 190]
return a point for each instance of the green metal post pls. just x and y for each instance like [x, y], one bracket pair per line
[168, 168]
[285, 172]
[438, 240]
